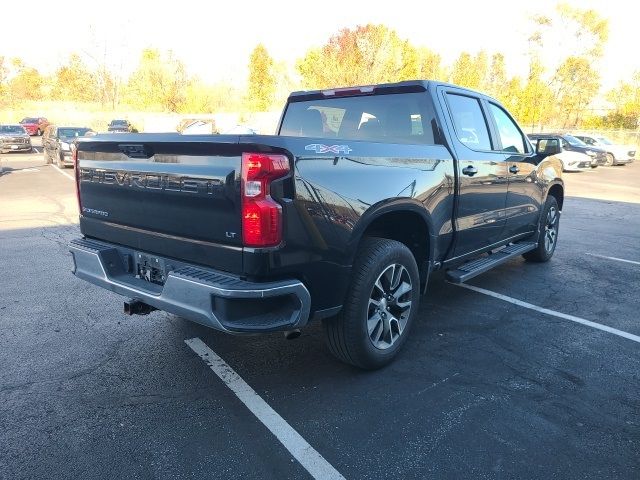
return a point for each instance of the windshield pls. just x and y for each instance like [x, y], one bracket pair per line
[118, 122]
[12, 129]
[574, 141]
[604, 140]
[29, 120]
[72, 132]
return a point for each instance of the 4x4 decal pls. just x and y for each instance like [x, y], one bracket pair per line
[320, 148]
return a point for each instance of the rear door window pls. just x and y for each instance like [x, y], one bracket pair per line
[468, 121]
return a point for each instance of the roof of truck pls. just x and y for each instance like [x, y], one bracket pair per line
[402, 87]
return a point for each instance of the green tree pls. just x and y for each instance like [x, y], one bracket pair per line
[74, 81]
[4, 71]
[26, 84]
[574, 81]
[364, 55]
[497, 76]
[536, 105]
[626, 102]
[203, 98]
[159, 82]
[262, 84]
[430, 65]
[577, 83]
[470, 70]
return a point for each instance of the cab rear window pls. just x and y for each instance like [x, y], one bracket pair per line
[391, 118]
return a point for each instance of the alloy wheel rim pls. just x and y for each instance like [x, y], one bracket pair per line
[389, 306]
[551, 229]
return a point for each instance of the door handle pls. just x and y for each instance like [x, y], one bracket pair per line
[514, 169]
[469, 170]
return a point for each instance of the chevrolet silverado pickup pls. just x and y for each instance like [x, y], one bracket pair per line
[340, 217]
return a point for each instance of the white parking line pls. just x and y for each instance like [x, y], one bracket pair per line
[546, 311]
[633, 262]
[63, 173]
[308, 457]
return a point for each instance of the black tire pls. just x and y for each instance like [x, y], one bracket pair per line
[347, 335]
[611, 160]
[548, 235]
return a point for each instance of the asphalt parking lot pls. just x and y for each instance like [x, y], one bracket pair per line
[486, 387]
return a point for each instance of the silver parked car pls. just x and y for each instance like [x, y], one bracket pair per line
[14, 138]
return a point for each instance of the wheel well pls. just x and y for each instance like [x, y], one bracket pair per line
[558, 192]
[408, 228]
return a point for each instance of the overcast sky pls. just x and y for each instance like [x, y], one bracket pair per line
[214, 38]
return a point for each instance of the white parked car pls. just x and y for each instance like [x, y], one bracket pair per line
[199, 127]
[574, 161]
[616, 154]
[571, 161]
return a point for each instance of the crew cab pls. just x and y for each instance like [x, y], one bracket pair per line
[340, 217]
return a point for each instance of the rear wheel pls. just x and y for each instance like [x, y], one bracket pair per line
[380, 306]
[548, 236]
[611, 160]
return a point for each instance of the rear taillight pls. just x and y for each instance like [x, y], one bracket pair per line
[76, 170]
[261, 215]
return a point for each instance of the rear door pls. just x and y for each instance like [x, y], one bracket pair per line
[482, 173]
[524, 194]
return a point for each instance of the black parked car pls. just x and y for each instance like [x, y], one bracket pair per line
[573, 144]
[121, 126]
[58, 143]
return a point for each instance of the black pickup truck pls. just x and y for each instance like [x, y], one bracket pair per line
[340, 217]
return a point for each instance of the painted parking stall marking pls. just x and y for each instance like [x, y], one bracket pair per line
[564, 316]
[63, 172]
[623, 260]
[308, 457]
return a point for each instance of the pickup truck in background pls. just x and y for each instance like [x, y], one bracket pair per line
[341, 217]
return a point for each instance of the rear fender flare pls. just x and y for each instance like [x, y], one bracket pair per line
[382, 208]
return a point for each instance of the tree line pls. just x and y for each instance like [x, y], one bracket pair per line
[562, 80]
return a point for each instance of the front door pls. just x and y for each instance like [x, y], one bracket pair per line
[482, 174]
[524, 196]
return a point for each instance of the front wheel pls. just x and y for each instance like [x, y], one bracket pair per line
[611, 160]
[380, 306]
[548, 235]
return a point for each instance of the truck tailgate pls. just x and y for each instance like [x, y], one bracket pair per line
[172, 195]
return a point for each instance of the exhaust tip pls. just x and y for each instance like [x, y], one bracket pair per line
[292, 334]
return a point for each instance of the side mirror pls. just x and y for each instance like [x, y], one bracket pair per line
[548, 147]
